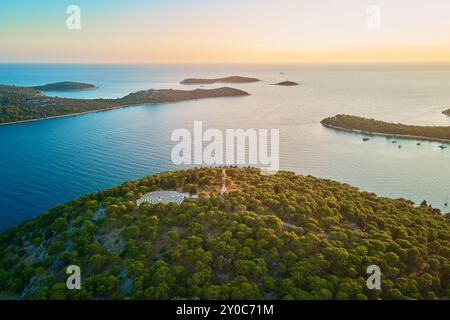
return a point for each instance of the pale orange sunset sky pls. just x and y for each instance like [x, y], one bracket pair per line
[169, 31]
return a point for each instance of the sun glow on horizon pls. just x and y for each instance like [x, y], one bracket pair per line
[197, 31]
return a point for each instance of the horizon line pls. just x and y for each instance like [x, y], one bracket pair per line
[227, 63]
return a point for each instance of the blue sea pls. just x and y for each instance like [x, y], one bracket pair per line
[45, 163]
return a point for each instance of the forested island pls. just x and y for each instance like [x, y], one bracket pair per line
[283, 236]
[286, 83]
[375, 127]
[65, 86]
[232, 79]
[18, 104]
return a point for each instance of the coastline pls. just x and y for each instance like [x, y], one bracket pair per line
[427, 220]
[101, 110]
[388, 135]
[66, 115]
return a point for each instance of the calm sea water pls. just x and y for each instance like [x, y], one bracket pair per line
[48, 162]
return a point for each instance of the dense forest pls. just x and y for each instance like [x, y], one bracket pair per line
[283, 236]
[354, 123]
[22, 103]
[65, 86]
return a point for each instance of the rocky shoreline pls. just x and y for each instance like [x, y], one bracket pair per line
[389, 135]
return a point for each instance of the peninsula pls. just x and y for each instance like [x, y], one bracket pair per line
[374, 127]
[282, 236]
[232, 79]
[19, 104]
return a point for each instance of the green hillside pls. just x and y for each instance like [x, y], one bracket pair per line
[269, 237]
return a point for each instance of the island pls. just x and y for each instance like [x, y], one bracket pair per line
[19, 104]
[380, 128]
[447, 112]
[286, 83]
[232, 79]
[65, 86]
[282, 236]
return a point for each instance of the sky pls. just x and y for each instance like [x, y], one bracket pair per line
[225, 31]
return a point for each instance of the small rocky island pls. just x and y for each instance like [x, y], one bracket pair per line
[232, 79]
[66, 86]
[374, 127]
[19, 104]
[286, 83]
